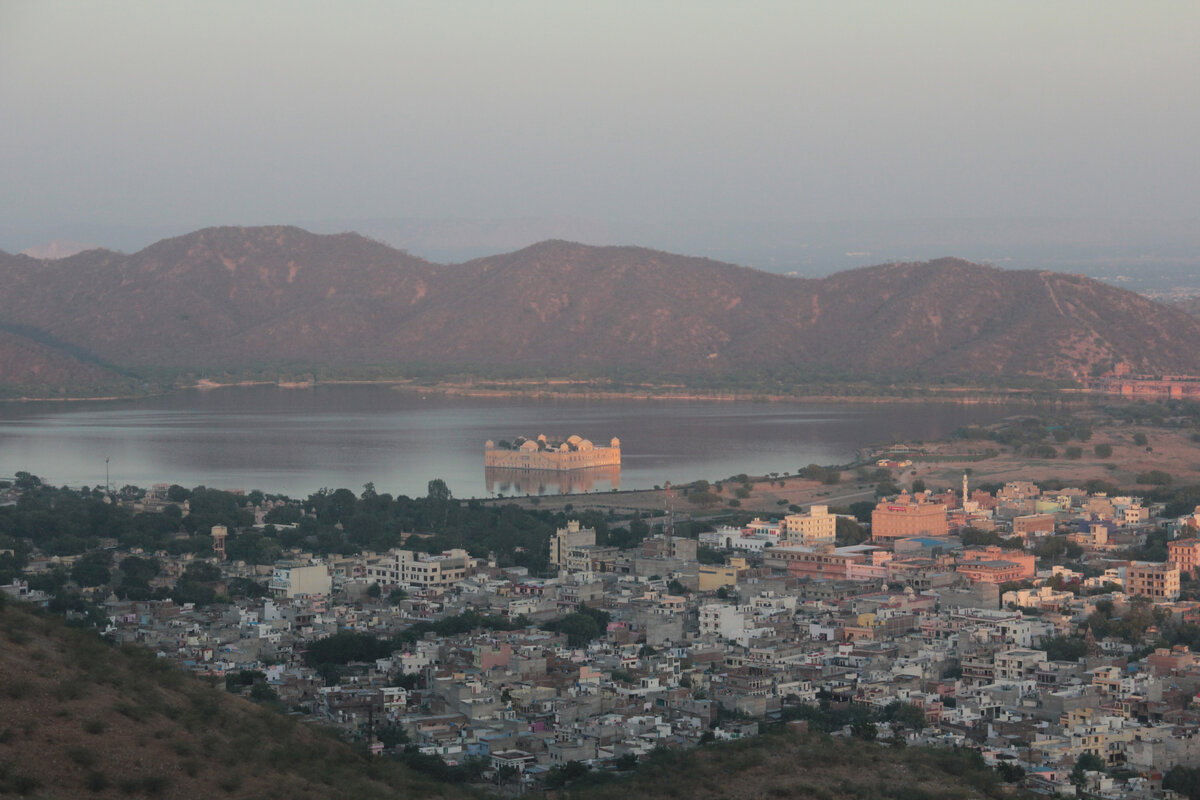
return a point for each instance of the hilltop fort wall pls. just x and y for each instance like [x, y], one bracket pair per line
[556, 456]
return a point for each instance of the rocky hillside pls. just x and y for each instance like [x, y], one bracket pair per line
[83, 719]
[801, 765]
[258, 298]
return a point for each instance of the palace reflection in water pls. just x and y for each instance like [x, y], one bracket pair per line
[538, 482]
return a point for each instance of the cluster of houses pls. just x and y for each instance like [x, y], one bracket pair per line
[695, 651]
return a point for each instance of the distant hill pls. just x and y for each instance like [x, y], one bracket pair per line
[56, 249]
[30, 366]
[83, 719]
[228, 299]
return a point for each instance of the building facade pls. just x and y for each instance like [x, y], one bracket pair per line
[290, 579]
[906, 516]
[567, 539]
[541, 453]
[817, 527]
[1185, 555]
[403, 567]
[1149, 579]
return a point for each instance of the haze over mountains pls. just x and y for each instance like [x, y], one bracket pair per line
[229, 299]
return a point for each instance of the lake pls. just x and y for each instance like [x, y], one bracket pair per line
[295, 441]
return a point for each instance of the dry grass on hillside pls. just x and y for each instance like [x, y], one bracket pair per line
[810, 766]
[83, 719]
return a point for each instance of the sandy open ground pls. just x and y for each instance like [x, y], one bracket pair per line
[1167, 450]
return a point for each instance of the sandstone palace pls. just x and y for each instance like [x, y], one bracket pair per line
[546, 454]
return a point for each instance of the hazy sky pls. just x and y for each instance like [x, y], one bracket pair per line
[178, 115]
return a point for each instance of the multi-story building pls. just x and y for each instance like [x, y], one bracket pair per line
[425, 571]
[1018, 490]
[1018, 664]
[572, 536]
[721, 620]
[1032, 523]
[814, 528]
[907, 515]
[1185, 555]
[856, 562]
[1148, 579]
[713, 576]
[819, 563]
[993, 564]
[590, 558]
[290, 579]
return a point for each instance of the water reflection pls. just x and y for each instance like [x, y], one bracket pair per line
[297, 441]
[542, 482]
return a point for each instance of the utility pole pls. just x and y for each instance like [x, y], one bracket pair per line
[670, 526]
[107, 486]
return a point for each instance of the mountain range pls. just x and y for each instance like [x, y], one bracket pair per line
[224, 300]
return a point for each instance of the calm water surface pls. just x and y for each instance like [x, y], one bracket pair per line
[295, 441]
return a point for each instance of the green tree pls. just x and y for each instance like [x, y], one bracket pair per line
[1103, 450]
[1154, 477]
[1064, 648]
[1087, 762]
[1010, 772]
[862, 510]
[864, 729]
[909, 715]
[26, 481]
[1185, 780]
[90, 572]
[346, 646]
[849, 532]
[202, 572]
[579, 628]
[559, 776]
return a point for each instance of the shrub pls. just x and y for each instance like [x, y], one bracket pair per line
[230, 782]
[18, 689]
[81, 756]
[71, 690]
[155, 785]
[24, 784]
[1155, 477]
[95, 781]
[16, 635]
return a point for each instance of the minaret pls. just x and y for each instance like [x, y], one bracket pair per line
[965, 495]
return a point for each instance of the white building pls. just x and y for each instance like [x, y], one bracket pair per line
[406, 568]
[722, 620]
[1018, 663]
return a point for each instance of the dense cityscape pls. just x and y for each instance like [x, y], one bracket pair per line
[1048, 628]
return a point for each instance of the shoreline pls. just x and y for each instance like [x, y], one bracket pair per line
[544, 390]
